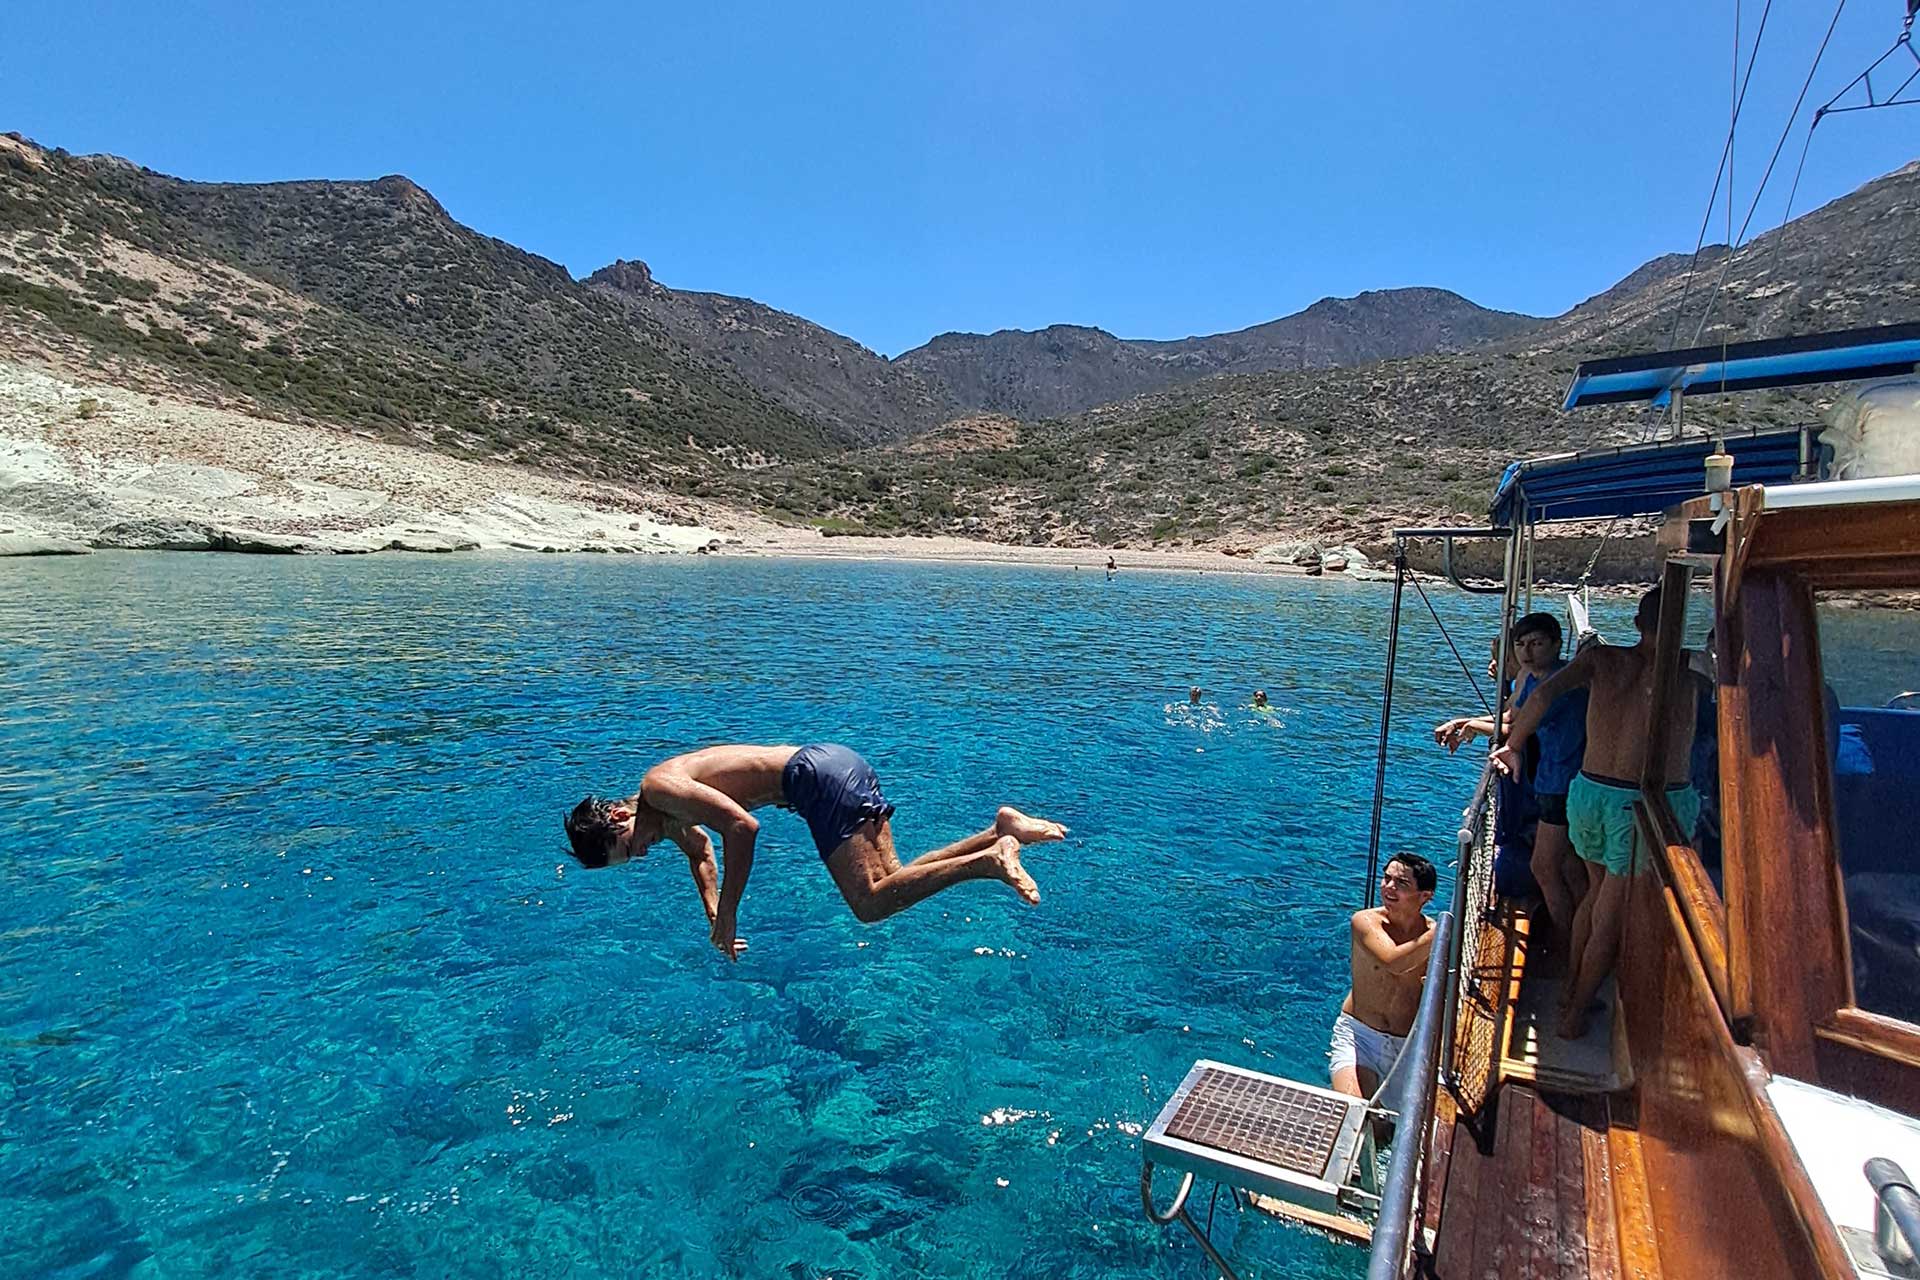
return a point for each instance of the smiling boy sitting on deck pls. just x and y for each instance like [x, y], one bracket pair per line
[828, 785]
[1390, 946]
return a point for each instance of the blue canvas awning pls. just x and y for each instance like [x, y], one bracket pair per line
[1846, 356]
[1637, 480]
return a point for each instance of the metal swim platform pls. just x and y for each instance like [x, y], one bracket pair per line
[1258, 1131]
[1307, 1147]
[1301, 1144]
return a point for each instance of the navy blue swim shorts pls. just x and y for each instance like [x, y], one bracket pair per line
[835, 791]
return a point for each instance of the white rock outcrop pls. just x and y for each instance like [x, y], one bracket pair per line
[97, 466]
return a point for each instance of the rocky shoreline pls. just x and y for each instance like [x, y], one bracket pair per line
[86, 467]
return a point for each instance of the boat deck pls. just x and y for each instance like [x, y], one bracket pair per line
[1559, 1192]
[1556, 1188]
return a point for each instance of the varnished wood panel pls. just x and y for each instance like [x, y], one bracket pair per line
[1603, 1253]
[1666, 674]
[1865, 1069]
[1725, 1197]
[1784, 921]
[1873, 535]
[1679, 866]
[1635, 1235]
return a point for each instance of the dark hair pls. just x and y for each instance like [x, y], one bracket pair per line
[1425, 878]
[1647, 616]
[591, 831]
[1545, 623]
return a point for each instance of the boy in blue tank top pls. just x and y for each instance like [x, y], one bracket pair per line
[1562, 739]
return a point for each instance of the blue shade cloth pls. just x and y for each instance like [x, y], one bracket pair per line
[1844, 356]
[1639, 479]
[1562, 738]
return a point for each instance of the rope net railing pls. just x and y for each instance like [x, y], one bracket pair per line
[1482, 951]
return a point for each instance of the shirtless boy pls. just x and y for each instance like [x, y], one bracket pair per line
[1619, 684]
[1390, 946]
[829, 786]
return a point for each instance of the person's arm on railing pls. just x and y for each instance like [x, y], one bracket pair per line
[1522, 724]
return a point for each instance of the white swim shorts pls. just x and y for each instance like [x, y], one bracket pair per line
[1355, 1044]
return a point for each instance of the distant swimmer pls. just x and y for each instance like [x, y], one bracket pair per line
[838, 795]
[1111, 568]
[1260, 700]
[1193, 696]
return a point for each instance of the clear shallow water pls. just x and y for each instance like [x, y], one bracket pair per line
[296, 978]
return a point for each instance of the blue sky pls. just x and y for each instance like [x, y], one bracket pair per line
[894, 171]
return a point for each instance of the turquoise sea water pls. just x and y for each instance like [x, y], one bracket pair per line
[296, 978]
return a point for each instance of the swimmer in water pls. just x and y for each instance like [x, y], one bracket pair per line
[838, 795]
[1260, 700]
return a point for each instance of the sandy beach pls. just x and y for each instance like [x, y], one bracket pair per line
[810, 544]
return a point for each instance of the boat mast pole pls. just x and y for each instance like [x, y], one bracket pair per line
[1386, 715]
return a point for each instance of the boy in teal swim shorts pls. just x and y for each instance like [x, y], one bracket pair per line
[1619, 684]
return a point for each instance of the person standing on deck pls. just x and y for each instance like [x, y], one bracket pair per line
[828, 785]
[1562, 737]
[1389, 964]
[1619, 682]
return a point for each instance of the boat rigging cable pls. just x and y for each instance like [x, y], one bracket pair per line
[1401, 576]
[1903, 41]
[1734, 243]
[1726, 159]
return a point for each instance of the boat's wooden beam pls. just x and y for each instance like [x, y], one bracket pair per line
[1777, 815]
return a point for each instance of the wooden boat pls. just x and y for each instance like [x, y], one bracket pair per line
[1763, 1045]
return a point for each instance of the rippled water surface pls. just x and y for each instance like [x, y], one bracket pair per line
[297, 979]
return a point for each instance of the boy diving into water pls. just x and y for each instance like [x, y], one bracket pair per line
[838, 795]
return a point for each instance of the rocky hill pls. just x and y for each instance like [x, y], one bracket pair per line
[1069, 369]
[1342, 454]
[813, 371]
[363, 304]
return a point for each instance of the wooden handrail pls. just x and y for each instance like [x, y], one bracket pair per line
[1774, 1147]
[1873, 1033]
[1699, 903]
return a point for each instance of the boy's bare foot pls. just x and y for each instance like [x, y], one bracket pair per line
[1006, 854]
[1011, 822]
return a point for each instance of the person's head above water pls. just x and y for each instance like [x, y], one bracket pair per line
[1193, 695]
[1259, 697]
[606, 833]
[1408, 881]
[1536, 641]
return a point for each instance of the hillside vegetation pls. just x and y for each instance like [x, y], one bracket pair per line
[364, 306]
[1343, 454]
